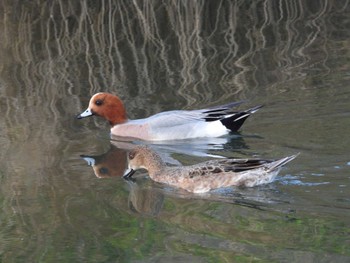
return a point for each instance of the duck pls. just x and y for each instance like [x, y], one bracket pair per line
[169, 125]
[206, 176]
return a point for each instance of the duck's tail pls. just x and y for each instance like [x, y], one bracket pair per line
[236, 120]
[279, 163]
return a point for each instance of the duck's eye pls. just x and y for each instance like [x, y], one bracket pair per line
[104, 170]
[131, 155]
[99, 102]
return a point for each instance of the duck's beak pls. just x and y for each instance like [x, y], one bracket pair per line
[90, 160]
[86, 113]
[128, 173]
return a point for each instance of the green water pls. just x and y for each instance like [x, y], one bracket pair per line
[292, 57]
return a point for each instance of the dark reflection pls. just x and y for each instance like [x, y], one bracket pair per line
[144, 200]
[198, 147]
[110, 164]
[147, 198]
[136, 49]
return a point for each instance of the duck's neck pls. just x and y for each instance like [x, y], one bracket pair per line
[156, 166]
[117, 120]
[116, 114]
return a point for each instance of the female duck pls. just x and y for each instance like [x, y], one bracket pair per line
[169, 125]
[203, 177]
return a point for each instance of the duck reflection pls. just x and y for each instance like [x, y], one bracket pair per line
[110, 164]
[144, 200]
[198, 147]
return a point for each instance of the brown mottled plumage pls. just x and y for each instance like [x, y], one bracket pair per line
[203, 177]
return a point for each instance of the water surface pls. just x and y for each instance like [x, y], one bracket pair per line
[290, 56]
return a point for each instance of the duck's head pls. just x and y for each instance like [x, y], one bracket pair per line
[107, 106]
[143, 157]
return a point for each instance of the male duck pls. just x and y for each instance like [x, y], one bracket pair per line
[168, 125]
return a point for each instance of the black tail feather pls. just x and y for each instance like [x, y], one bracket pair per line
[235, 121]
